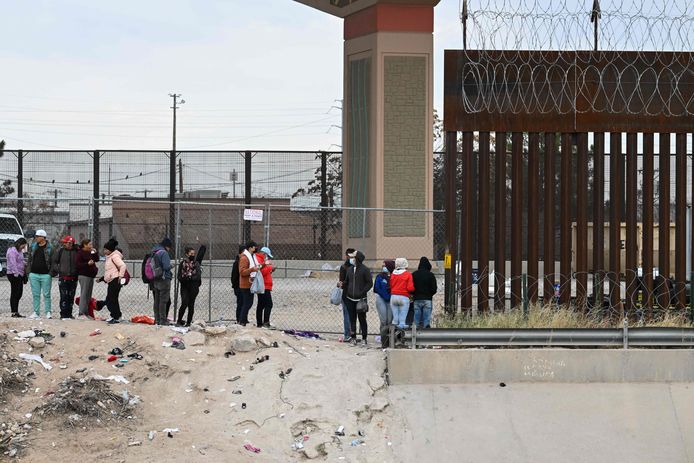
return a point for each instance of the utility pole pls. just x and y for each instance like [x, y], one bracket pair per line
[172, 167]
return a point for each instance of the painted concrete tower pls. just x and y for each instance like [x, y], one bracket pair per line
[387, 124]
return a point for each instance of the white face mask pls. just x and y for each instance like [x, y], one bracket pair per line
[352, 260]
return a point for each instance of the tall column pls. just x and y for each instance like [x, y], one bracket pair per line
[387, 129]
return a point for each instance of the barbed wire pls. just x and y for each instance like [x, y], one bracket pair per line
[614, 56]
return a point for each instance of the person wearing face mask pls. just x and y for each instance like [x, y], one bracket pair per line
[350, 254]
[16, 273]
[357, 284]
[190, 279]
[382, 290]
[86, 260]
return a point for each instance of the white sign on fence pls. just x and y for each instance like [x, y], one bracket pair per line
[254, 215]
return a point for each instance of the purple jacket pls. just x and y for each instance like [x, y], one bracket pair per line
[15, 262]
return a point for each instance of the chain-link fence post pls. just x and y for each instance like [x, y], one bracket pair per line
[268, 208]
[20, 187]
[209, 260]
[174, 258]
[90, 220]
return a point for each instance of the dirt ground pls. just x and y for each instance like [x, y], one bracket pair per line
[195, 390]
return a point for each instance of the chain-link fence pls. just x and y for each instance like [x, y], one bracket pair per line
[306, 243]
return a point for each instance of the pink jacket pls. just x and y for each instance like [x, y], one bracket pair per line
[114, 267]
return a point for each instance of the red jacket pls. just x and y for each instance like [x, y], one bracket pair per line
[266, 271]
[401, 284]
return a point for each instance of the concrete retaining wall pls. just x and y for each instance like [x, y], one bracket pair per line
[458, 366]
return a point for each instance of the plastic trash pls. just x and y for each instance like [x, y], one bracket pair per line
[63, 334]
[135, 356]
[180, 329]
[151, 435]
[26, 334]
[243, 405]
[116, 378]
[35, 358]
[251, 448]
[93, 357]
[96, 332]
[116, 351]
[235, 378]
[356, 442]
[112, 358]
[340, 431]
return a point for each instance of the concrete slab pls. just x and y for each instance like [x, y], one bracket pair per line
[525, 422]
[459, 366]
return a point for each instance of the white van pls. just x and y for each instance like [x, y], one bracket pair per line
[10, 231]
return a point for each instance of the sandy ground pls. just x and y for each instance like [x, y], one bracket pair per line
[330, 384]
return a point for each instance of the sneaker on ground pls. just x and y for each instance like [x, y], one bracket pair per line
[17, 315]
[48, 315]
[66, 318]
[83, 317]
[34, 316]
[113, 321]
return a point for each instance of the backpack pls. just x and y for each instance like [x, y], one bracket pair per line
[151, 268]
[145, 265]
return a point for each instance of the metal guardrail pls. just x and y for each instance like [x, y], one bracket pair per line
[537, 337]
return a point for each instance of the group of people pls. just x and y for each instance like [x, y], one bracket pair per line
[75, 264]
[252, 263]
[398, 293]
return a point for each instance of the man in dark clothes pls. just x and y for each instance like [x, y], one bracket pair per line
[235, 279]
[65, 268]
[424, 289]
[357, 284]
[350, 253]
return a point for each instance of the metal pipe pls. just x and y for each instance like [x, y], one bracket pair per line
[618, 337]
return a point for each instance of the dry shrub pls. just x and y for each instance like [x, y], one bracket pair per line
[14, 374]
[88, 398]
[548, 316]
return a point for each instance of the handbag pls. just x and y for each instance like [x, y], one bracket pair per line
[362, 306]
[258, 284]
[336, 296]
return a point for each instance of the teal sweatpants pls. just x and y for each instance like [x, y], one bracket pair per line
[41, 284]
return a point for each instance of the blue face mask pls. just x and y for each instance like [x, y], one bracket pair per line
[352, 261]
[385, 269]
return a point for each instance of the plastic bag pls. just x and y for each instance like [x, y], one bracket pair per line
[336, 296]
[142, 319]
[362, 306]
[258, 285]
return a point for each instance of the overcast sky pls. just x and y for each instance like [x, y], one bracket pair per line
[80, 74]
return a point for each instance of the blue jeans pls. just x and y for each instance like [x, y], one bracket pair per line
[422, 314]
[41, 285]
[399, 306]
[345, 316]
[385, 314]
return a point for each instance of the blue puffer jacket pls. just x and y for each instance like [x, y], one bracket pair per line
[381, 287]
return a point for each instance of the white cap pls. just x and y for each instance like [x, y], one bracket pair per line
[40, 233]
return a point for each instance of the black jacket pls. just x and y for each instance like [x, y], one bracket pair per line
[343, 274]
[235, 276]
[358, 280]
[424, 281]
